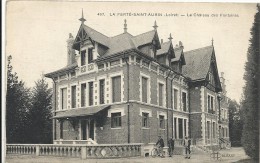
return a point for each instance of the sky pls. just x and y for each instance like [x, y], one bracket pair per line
[36, 32]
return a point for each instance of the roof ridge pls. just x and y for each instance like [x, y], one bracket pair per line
[122, 34]
[210, 46]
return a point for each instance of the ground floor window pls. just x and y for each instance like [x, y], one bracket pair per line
[115, 120]
[61, 129]
[145, 120]
[180, 121]
[161, 122]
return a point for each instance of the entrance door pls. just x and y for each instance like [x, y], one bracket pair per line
[84, 129]
[91, 129]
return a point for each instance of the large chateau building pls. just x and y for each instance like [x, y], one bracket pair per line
[132, 88]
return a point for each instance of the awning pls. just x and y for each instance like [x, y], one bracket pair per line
[80, 112]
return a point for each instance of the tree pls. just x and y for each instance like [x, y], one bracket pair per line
[40, 113]
[17, 107]
[235, 123]
[250, 135]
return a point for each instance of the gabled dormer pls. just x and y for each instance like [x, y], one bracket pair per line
[179, 61]
[166, 53]
[148, 42]
[213, 80]
[90, 44]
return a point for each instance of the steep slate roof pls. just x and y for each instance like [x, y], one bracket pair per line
[197, 63]
[96, 36]
[164, 48]
[120, 43]
[143, 38]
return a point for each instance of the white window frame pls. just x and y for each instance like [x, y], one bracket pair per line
[178, 98]
[60, 98]
[74, 84]
[148, 88]
[111, 88]
[187, 107]
[163, 94]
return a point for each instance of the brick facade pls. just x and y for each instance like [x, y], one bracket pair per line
[187, 114]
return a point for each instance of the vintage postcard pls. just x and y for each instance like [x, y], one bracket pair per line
[131, 82]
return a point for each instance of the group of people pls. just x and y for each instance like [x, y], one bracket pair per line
[186, 144]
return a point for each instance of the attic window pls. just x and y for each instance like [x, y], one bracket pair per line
[145, 63]
[114, 63]
[101, 66]
[153, 67]
[161, 71]
[73, 74]
[63, 76]
[138, 60]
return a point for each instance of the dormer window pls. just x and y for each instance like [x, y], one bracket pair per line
[83, 57]
[90, 55]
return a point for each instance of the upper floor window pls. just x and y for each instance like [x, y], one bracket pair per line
[211, 79]
[83, 57]
[115, 120]
[90, 55]
[73, 96]
[160, 94]
[184, 101]
[144, 89]
[210, 103]
[145, 120]
[83, 95]
[102, 91]
[90, 85]
[116, 89]
[175, 98]
[161, 122]
[64, 98]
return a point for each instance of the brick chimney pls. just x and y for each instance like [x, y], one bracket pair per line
[71, 52]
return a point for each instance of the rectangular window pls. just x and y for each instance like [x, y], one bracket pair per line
[208, 103]
[161, 121]
[73, 74]
[208, 130]
[116, 89]
[214, 130]
[61, 129]
[175, 128]
[144, 89]
[114, 63]
[115, 120]
[180, 121]
[90, 55]
[83, 57]
[83, 94]
[102, 91]
[145, 120]
[73, 97]
[175, 93]
[185, 126]
[64, 98]
[160, 94]
[212, 103]
[90, 97]
[184, 101]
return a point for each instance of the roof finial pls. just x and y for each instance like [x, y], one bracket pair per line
[212, 41]
[82, 19]
[170, 38]
[155, 25]
[125, 27]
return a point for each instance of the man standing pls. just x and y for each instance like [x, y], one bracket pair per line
[160, 145]
[171, 146]
[187, 143]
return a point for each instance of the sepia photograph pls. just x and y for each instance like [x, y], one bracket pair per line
[130, 82]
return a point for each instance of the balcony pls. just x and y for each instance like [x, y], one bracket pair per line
[87, 68]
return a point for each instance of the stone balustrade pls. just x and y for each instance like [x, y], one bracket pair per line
[77, 150]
